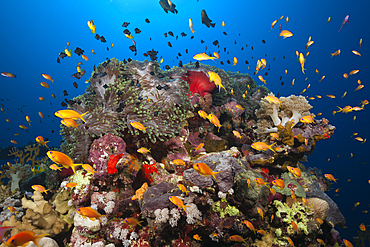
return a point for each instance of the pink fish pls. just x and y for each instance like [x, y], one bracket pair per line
[344, 22]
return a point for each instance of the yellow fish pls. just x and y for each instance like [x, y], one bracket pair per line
[262, 146]
[91, 26]
[40, 140]
[178, 202]
[202, 114]
[48, 77]
[40, 188]
[202, 56]
[214, 120]
[182, 188]
[138, 126]
[62, 159]
[90, 213]
[70, 114]
[285, 34]
[235, 61]
[191, 25]
[205, 170]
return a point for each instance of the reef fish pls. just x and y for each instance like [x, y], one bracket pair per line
[178, 202]
[285, 34]
[91, 25]
[69, 123]
[70, 114]
[62, 159]
[237, 238]
[344, 22]
[205, 20]
[249, 225]
[40, 140]
[262, 146]
[205, 170]
[279, 183]
[23, 238]
[168, 7]
[330, 177]
[191, 25]
[89, 212]
[132, 221]
[40, 188]
[214, 120]
[48, 77]
[7, 74]
[203, 56]
[347, 243]
[138, 126]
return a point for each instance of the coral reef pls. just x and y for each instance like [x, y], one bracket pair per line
[183, 176]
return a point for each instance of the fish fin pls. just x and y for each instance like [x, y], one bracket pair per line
[213, 24]
[38, 238]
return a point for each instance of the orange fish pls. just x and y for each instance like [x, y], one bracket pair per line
[70, 114]
[191, 25]
[41, 98]
[205, 170]
[22, 238]
[295, 227]
[85, 58]
[330, 177]
[353, 72]
[214, 120]
[273, 24]
[182, 188]
[262, 232]
[306, 119]
[335, 53]
[40, 140]
[285, 34]
[347, 243]
[260, 181]
[23, 127]
[132, 222]
[178, 162]
[356, 53]
[28, 120]
[48, 77]
[199, 146]
[237, 238]
[273, 192]
[290, 241]
[237, 134]
[262, 146]
[249, 225]
[322, 78]
[178, 202]
[13, 210]
[44, 84]
[7, 74]
[359, 87]
[91, 25]
[279, 183]
[320, 221]
[295, 171]
[41, 115]
[197, 237]
[89, 212]
[71, 185]
[260, 212]
[89, 169]
[202, 114]
[14, 141]
[362, 227]
[138, 126]
[62, 159]
[40, 188]
[69, 123]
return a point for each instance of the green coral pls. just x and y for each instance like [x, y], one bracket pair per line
[225, 209]
[297, 213]
[299, 191]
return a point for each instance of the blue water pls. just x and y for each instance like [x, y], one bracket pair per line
[34, 32]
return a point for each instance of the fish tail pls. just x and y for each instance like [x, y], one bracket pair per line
[37, 239]
[213, 175]
[73, 167]
[270, 147]
[81, 117]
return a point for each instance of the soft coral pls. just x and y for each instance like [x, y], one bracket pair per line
[198, 82]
